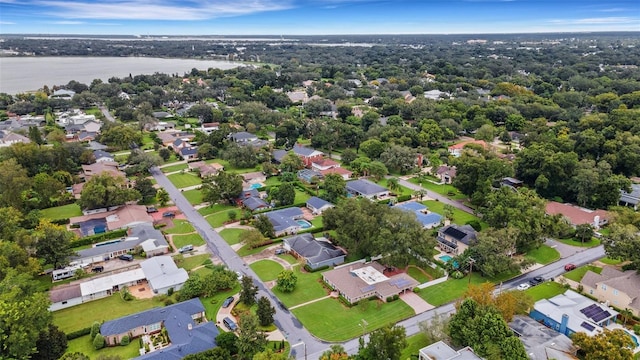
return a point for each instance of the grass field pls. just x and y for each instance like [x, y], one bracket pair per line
[184, 180]
[173, 168]
[267, 270]
[575, 242]
[418, 274]
[84, 345]
[459, 217]
[193, 196]
[339, 322]
[543, 255]
[301, 197]
[546, 290]
[400, 191]
[414, 344]
[61, 212]
[444, 189]
[189, 239]
[83, 315]
[449, 290]
[180, 227]
[208, 210]
[578, 274]
[309, 287]
[218, 219]
[610, 261]
[190, 262]
[232, 236]
[289, 258]
[233, 169]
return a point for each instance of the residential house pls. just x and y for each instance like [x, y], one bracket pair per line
[253, 178]
[309, 176]
[366, 188]
[185, 323]
[163, 126]
[316, 253]
[65, 296]
[112, 168]
[441, 351]
[307, 155]
[457, 149]
[243, 137]
[615, 287]
[358, 281]
[346, 174]
[427, 218]
[103, 156]
[577, 215]
[252, 200]
[631, 198]
[163, 275]
[208, 128]
[8, 138]
[94, 145]
[63, 94]
[455, 238]
[205, 169]
[324, 164]
[436, 94]
[285, 221]
[571, 312]
[85, 136]
[123, 217]
[540, 342]
[511, 182]
[188, 153]
[318, 205]
[298, 96]
[169, 137]
[103, 286]
[446, 173]
[161, 115]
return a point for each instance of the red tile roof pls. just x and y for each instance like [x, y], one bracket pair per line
[575, 214]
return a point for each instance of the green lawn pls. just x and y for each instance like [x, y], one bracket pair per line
[546, 290]
[218, 219]
[339, 322]
[309, 287]
[213, 304]
[543, 255]
[180, 227]
[184, 180]
[273, 180]
[83, 315]
[232, 236]
[459, 217]
[444, 189]
[193, 196]
[84, 345]
[400, 191]
[610, 261]
[418, 274]
[575, 242]
[577, 274]
[232, 169]
[301, 197]
[189, 239]
[61, 212]
[208, 210]
[190, 262]
[289, 258]
[449, 290]
[414, 344]
[173, 168]
[267, 270]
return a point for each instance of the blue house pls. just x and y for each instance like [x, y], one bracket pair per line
[287, 220]
[186, 324]
[571, 312]
[318, 205]
[427, 218]
[315, 252]
[366, 188]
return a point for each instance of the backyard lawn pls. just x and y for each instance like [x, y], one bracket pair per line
[83, 315]
[232, 236]
[309, 287]
[546, 290]
[417, 273]
[173, 168]
[194, 196]
[577, 274]
[444, 189]
[339, 322]
[267, 270]
[180, 227]
[543, 255]
[301, 197]
[218, 219]
[575, 242]
[189, 239]
[190, 262]
[414, 344]
[84, 345]
[459, 217]
[208, 210]
[449, 290]
[184, 180]
[61, 212]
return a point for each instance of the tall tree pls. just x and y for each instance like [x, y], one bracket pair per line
[435, 329]
[284, 194]
[53, 243]
[584, 232]
[51, 344]
[248, 291]
[335, 352]
[223, 186]
[623, 243]
[384, 343]
[264, 225]
[250, 340]
[105, 190]
[334, 187]
[291, 163]
[610, 344]
[14, 180]
[286, 281]
[265, 311]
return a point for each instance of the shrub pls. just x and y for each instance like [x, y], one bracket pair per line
[60, 221]
[168, 302]
[309, 269]
[94, 330]
[457, 275]
[98, 342]
[475, 224]
[170, 292]
[396, 297]
[389, 299]
[636, 329]
[416, 290]
[79, 333]
[93, 239]
[405, 197]
[125, 340]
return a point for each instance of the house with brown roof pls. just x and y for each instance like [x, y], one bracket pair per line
[110, 167]
[8, 138]
[617, 288]
[577, 215]
[205, 169]
[123, 217]
[65, 296]
[446, 173]
[346, 174]
[324, 164]
[358, 281]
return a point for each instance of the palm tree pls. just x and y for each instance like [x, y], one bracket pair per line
[392, 183]
[626, 314]
[420, 193]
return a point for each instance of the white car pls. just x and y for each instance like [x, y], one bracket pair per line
[523, 286]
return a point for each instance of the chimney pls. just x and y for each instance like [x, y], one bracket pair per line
[563, 324]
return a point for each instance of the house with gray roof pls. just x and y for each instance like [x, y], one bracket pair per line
[631, 198]
[441, 351]
[427, 218]
[540, 342]
[455, 238]
[285, 221]
[318, 205]
[185, 323]
[243, 137]
[255, 203]
[366, 188]
[278, 155]
[618, 288]
[8, 138]
[163, 274]
[103, 156]
[65, 296]
[315, 252]
[188, 153]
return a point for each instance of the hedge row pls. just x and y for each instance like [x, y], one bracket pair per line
[321, 268]
[60, 221]
[403, 198]
[79, 333]
[93, 239]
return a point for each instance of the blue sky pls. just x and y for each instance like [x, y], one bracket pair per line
[287, 17]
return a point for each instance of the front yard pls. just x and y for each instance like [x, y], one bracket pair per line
[578, 274]
[84, 345]
[543, 255]
[576, 242]
[449, 290]
[308, 287]
[174, 168]
[459, 217]
[191, 262]
[180, 227]
[189, 239]
[546, 290]
[267, 270]
[184, 180]
[447, 190]
[193, 196]
[232, 236]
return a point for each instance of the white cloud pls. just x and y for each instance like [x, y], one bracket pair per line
[149, 10]
[613, 10]
[67, 22]
[596, 21]
[6, 23]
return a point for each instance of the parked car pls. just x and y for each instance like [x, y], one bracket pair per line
[126, 257]
[169, 214]
[185, 248]
[536, 280]
[230, 324]
[280, 251]
[569, 267]
[523, 286]
[151, 209]
[239, 275]
[98, 269]
[227, 302]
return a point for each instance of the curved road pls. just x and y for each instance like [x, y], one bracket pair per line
[303, 344]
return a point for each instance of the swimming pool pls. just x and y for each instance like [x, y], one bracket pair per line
[633, 337]
[256, 186]
[445, 258]
[304, 224]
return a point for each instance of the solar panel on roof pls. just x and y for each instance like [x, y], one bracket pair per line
[402, 283]
[587, 326]
[367, 289]
[601, 316]
[455, 233]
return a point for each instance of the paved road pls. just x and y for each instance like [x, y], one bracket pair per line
[286, 322]
[106, 113]
[443, 199]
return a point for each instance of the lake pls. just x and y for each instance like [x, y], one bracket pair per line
[20, 74]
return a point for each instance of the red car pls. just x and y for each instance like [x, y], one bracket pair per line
[569, 267]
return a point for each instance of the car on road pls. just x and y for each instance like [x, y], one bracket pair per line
[536, 281]
[523, 286]
[169, 214]
[569, 267]
[280, 251]
[227, 302]
[151, 209]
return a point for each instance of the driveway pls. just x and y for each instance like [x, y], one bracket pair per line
[416, 302]
[564, 249]
[226, 312]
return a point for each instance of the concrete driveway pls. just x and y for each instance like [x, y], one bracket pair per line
[416, 302]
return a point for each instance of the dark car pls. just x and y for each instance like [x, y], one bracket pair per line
[98, 269]
[569, 267]
[280, 251]
[169, 214]
[227, 302]
[126, 257]
[536, 280]
[151, 209]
